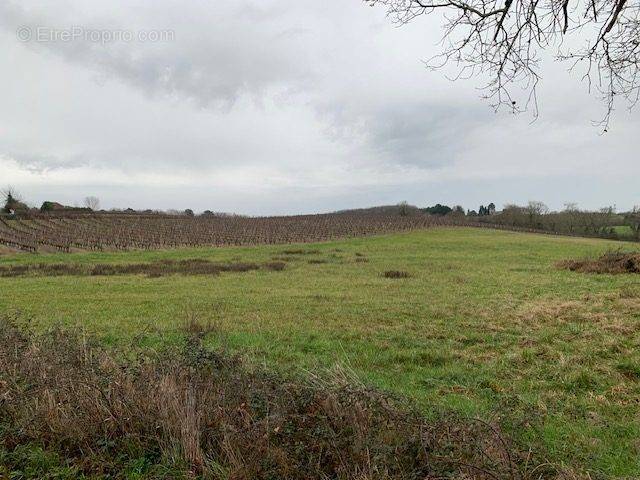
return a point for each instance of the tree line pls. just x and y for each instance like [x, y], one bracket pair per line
[458, 210]
[605, 222]
[14, 204]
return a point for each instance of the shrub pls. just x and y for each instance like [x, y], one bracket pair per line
[611, 262]
[206, 414]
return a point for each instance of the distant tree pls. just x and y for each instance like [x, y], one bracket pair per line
[13, 201]
[488, 210]
[403, 209]
[632, 219]
[534, 210]
[599, 223]
[438, 209]
[570, 217]
[10, 197]
[92, 202]
[608, 216]
[46, 206]
[457, 211]
[188, 212]
[512, 215]
[537, 208]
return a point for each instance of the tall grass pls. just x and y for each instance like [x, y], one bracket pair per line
[202, 414]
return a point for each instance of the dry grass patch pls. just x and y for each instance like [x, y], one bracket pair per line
[161, 268]
[299, 251]
[281, 258]
[396, 274]
[275, 266]
[611, 262]
[549, 311]
[605, 312]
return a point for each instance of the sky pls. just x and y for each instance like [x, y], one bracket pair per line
[272, 107]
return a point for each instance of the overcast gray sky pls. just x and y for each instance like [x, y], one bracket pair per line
[281, 106]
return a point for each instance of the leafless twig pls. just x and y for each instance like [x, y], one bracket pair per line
[504, 41]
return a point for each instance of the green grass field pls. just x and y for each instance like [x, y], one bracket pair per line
[485, 325]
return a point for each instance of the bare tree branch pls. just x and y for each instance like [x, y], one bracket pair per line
[504, 41]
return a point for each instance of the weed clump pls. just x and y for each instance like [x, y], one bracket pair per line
[275, 266]
[616, 262]
[299, 251]
[396, 274]
[630, 370]
[194, 326]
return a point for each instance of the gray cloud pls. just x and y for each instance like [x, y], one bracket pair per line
[216, 55]
[318, 100]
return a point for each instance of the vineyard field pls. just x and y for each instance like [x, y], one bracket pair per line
[98, 232]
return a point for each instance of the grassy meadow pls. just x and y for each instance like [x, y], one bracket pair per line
[484, 324]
